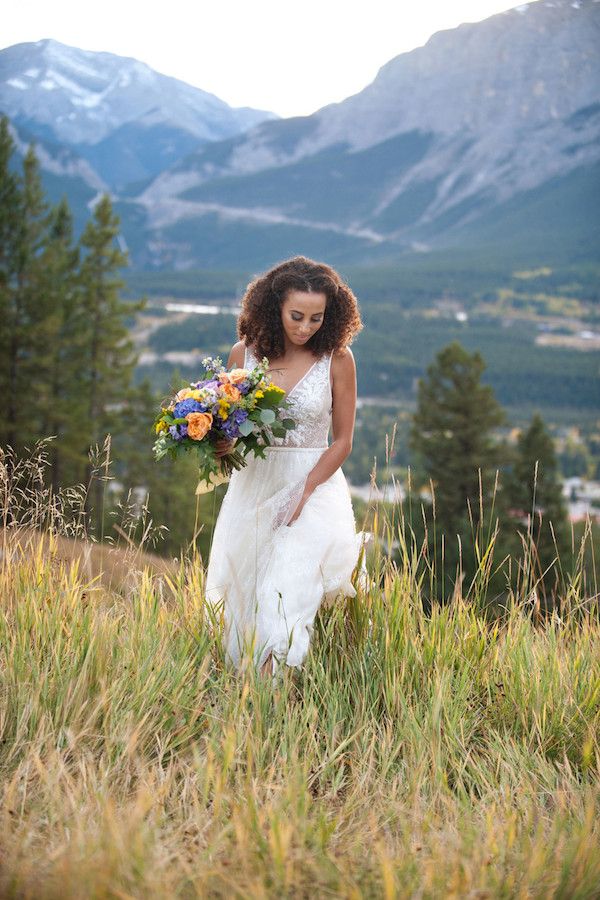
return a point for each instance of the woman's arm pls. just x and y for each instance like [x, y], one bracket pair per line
[343, 415]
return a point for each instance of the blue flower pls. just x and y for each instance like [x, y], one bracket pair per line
[184, 407]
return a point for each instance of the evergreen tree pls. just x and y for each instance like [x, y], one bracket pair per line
[63, 360]
[23, 231]
[452, 432]
[10, 228]
[535, 494]
[66, 360]
[110, 354]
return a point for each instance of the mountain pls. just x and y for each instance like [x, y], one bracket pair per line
[128, 121]
[478, 126]
[487, 137]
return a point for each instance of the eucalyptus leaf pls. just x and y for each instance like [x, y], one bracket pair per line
[247, 427]
[267, 416]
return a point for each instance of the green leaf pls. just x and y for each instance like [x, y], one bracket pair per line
[267, 416]
[247, 427]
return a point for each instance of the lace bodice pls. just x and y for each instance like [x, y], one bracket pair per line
[311, 404]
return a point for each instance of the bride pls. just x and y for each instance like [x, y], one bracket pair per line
[285, 538]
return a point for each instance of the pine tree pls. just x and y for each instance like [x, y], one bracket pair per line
[535, 494]
[62, 362]
[452, 433]
[10, 229]
[110, 354]
[23, 231]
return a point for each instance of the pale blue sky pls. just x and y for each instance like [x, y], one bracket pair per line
[288, 57]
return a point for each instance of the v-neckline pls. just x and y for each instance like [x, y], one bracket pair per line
[300, 380]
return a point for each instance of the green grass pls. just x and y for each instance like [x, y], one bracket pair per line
[454, 754]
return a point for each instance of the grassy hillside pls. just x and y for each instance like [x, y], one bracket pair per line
[413, 755]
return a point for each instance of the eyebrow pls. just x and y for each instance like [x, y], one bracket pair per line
[301, 313]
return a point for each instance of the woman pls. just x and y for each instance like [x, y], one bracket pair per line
[285, 538]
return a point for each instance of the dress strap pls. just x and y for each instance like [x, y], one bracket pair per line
[329, 382]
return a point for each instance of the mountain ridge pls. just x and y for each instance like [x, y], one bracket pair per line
[86, 98]
[489, 119]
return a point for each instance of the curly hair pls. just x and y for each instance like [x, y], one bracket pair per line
[259, 323]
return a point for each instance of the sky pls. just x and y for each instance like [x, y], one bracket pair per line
[291, 58]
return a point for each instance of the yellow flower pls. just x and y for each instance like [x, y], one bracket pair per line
[275, 389]
[259, 394]
[161, 426]
[223, 407]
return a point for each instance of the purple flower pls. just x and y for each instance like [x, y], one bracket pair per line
[178, 432]
[231, 425]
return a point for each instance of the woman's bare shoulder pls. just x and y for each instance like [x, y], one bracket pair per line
[237, 355]
[343, 358]
[343, 365]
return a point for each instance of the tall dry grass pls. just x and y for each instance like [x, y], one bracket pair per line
[414, 755]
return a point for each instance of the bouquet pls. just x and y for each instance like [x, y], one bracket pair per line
[242, 405]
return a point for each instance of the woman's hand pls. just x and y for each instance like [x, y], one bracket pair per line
[299, 508]
[224, 446]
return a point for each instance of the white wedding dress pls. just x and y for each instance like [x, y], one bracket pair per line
[272, 576]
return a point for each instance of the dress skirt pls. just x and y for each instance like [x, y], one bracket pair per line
[272, 576]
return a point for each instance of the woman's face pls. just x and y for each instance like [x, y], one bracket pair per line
[302, 314]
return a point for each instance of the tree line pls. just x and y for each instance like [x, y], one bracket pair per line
[67, 360]
[66, 372]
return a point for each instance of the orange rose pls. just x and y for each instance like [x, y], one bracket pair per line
[237, 375]
[230, 391]
[198, 424]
